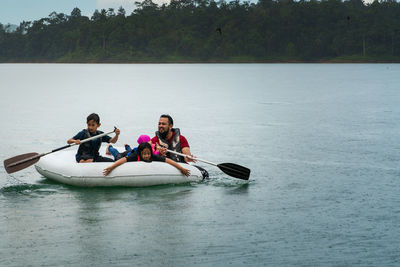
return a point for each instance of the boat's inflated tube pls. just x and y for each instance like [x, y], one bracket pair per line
[62, 167]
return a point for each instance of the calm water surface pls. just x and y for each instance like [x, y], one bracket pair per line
[321, 141]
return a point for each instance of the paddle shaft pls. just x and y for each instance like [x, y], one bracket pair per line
[58, 149]
[184, 155]
[231, 169]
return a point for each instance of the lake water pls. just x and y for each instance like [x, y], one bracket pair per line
[321, 141]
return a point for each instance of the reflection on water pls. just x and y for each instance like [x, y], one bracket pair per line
[240, 189]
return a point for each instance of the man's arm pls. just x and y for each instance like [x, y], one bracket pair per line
[186, 149]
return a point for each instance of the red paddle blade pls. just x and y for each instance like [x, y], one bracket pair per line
[20, 162]
[235, 170]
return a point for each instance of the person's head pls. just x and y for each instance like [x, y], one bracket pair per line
[165, 125]
[145, 152]
[93, 122]
[143, 139]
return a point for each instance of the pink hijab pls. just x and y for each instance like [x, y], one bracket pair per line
[145, 138]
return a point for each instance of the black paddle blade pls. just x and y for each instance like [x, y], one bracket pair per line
[20, 162]
[235, 170]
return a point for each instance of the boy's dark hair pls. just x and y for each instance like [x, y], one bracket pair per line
[170, 120]
[93, 117]
[142, 147]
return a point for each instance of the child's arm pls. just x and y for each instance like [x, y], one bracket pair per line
[184, 171]
[115, 138]
[109, 169]
[76, 139]
[71, 140]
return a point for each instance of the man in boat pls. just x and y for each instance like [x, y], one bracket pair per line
[171, 138]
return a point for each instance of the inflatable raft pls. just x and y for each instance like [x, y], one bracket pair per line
[62, 167]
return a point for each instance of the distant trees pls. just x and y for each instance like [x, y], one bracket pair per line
[205, 30]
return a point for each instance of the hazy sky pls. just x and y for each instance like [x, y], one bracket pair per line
[15, 11]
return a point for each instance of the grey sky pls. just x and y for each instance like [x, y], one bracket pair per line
[16, 11]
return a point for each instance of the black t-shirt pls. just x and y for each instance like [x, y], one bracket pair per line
[134, 157]
[89, 149]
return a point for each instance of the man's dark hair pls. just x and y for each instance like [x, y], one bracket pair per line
[93, 117]
[170, 120]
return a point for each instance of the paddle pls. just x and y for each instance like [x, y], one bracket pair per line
[231, 169]
[23, 161]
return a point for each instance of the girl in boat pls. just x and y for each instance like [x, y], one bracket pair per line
[144, 153]
[128, 150]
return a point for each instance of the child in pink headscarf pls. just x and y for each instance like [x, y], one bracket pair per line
[142, 139]
[128, 150]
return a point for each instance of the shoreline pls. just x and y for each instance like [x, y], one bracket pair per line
[210, 62]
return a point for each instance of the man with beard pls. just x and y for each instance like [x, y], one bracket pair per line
[170, 138]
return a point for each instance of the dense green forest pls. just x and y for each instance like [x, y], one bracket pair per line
[209, 31]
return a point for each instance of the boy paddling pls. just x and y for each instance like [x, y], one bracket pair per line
[89, 151]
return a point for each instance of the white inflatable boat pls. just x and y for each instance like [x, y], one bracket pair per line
[62, 167]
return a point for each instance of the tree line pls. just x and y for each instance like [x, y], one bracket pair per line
[209, 31]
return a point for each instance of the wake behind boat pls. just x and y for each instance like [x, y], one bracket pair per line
[63, 168]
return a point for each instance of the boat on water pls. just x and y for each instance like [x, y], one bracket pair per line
[62, 167]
